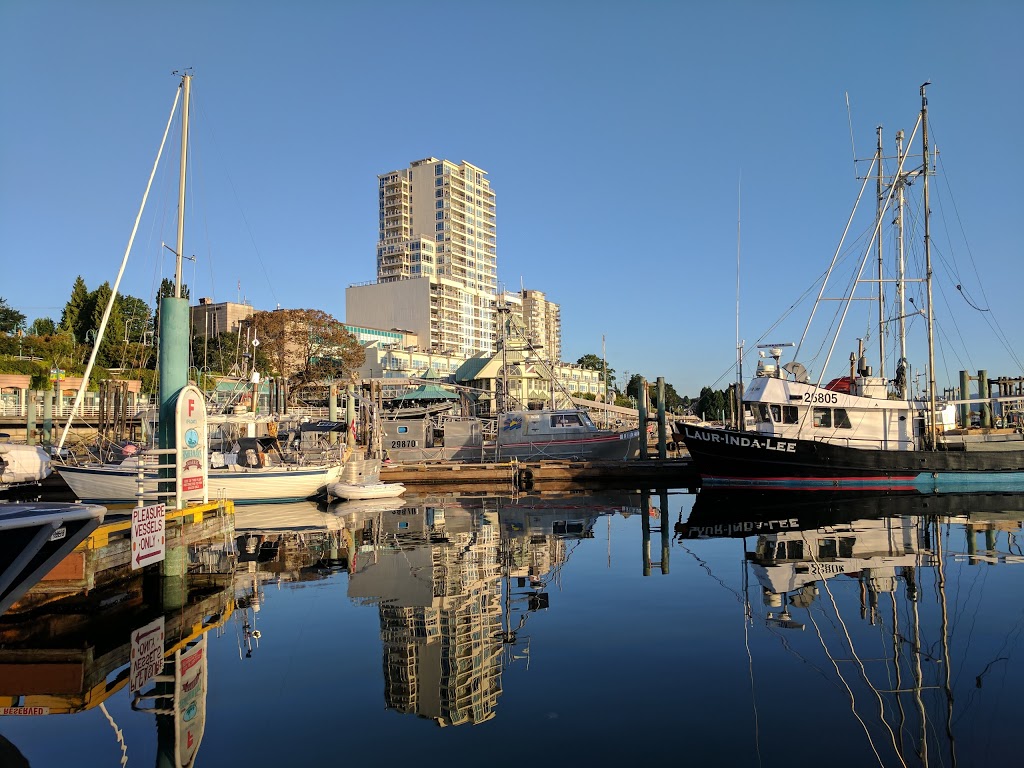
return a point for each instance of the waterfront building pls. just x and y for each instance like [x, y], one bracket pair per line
[437, 272]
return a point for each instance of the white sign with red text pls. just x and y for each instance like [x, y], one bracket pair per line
[191, 459]
[149, 528]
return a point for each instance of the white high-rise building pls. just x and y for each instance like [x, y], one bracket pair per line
[437, 265]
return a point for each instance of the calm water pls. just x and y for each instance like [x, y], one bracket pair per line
[600, 629]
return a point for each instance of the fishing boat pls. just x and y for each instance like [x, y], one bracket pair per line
[525, 435]
[867, 431]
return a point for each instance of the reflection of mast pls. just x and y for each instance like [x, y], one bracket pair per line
[945, 638]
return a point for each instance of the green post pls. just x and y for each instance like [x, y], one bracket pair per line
[350, 414]
[983, 396]
[965, 394]
[662, 442]
[47, 416]
[332, 410]
[641, 409]
[173, 363]
[30, 418]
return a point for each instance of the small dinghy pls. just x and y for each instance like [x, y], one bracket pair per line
[352, 491]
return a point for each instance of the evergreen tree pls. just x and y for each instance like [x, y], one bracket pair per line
[42, 326]
[71, 318]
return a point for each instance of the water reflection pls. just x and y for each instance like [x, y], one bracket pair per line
[895, 655]
[888, 624]
[454, 580]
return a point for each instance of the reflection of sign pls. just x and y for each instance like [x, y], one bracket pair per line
[24, 710]
[147, 649]
[190, 432]
[57, 374]
[190, 701]
[149, 527]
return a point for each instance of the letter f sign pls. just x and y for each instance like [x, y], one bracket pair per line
[191, 405]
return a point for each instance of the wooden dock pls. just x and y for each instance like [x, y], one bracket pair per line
[540, 475]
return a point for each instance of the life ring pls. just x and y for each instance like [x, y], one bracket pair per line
[671, 446]
[526, 479]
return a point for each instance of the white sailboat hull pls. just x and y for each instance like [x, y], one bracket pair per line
[112, 484]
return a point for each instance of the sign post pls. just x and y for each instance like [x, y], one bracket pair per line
[149, 528]
[190, 438]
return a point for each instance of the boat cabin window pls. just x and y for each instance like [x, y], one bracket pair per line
[823, 417]
[826, 417]
[761, 412]
[790, 414]
[776, 413]
[566, 420]
[402, 430]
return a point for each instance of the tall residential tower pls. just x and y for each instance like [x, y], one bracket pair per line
[437, 265]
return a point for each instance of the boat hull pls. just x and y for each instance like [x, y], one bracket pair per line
[590, 447]
[112, 485]
[363, 491]
[730, 457]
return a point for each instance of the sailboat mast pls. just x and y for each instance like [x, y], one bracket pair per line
[901, 286]
[186, 88]
[880, 202]
[932, 432]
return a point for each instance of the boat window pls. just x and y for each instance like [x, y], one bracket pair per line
[762, 412]
[842, 420]
[790, 414]
[823, 417]
[402, 430]
[566, 420]
[828, 548]
[795, 550]
[776, 413]
[846, 546]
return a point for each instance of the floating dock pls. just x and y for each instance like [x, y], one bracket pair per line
[528, 476]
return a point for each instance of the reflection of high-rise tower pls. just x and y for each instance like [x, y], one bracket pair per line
[436, 576]
[437, 572]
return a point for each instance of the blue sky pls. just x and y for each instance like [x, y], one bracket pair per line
[623, 142]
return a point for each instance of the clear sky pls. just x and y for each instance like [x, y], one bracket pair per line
[635, 150]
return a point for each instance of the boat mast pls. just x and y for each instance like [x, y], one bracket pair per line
[186, 89]
[879, 201]
[932, 429]
[901, 286]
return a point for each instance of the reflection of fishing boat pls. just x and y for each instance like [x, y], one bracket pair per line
[34, 538]
[736, 512]
[880, 598]
[864, 430]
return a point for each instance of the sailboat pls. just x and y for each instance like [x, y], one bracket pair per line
[123, 483]
[864, 431]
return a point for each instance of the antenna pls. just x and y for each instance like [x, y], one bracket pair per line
[849, 118]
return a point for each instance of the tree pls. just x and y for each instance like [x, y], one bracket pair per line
[42, 326]
[10, 318]
[72, 317]
[306, 346]
[594, 363]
